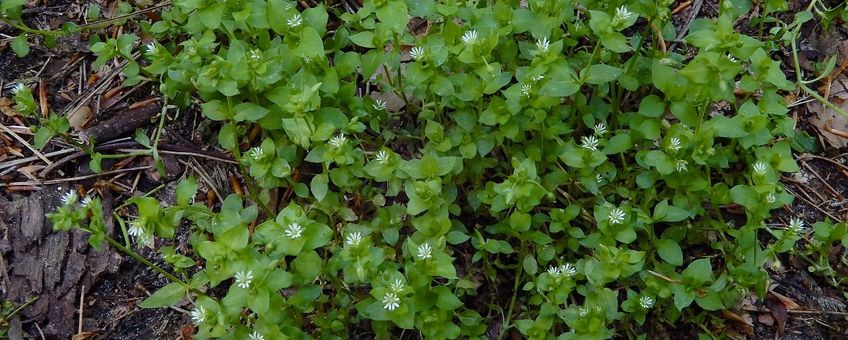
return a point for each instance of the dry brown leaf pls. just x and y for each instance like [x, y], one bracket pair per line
[778, 311]
[766, 319]
[78, 118]
[832, 125]
[741, 321]
[785, 300]
[7, 107]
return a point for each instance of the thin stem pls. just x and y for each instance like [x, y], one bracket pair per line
[151, 265]
[518, 272]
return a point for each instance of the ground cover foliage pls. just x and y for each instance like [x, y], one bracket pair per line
[548, 169]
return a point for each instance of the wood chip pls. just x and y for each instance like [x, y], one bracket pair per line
[79, 117]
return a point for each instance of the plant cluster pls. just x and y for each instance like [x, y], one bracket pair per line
[553, 158]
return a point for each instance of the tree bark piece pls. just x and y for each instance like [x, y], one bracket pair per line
[121, 123]
[47, 264]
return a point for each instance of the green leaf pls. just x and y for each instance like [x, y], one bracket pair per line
[618, 143]
[530, 265]
[211, 16]
[42, 136]
[559, 88]
[20, 45]
[249, 111]
[319, 186]
[651, 106]
[363, 39]
[600, 73]
[186, 191]
[394, 15]
[166, 296]
[670, 251]
[698, 272]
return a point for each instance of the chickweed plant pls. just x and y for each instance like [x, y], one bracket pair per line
[550, 167]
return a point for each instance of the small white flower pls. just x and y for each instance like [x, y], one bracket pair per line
[582, 312]
[256, 336]
[69, 197]
[198, 315]
[151, 47]
[796, 225]
[599, 178]
[554, 271]
[191, 50]
[622, 14]
[598, 309]
[86, 201]
[294, 21]
[353, 239]
[568, 270]
[616, 215]
[18, 88]
[417, 53]
[760, 168]
[526, 89]
[379, 105]
[425, 251]
[382, 157]
[469, 37]
[674, 144]
[294, 230]
[538, 78]
[646, 302]
[136, 228]
[255, 55]
[255, 153]
[145, 239]
[589, 143]
[243, 279]
[543, 45]
[600, 129]
[397, 286]
[771, 198]
[391, 302]
[731, 58]
[681, 165]
[338, 141]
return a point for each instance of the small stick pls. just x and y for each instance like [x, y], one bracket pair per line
[681, 7]
[839, 133]
[826, 184]
[234, 183]
[78, 178]
[82, 298]
[34, 151]
[120, 124]
[42, 99]
[663, 277]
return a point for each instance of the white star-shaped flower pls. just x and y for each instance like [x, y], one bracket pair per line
[256, 336]
[599, 178]
[582, 312]
[417, 53]
[796, 225]
[568, 270]
[589, 143]
[294, 230]
[674, 144]
[526, 90]
[69, 197]
[469, 37]
[681, 165]
[646, 302]
[600, 129]
[554, 271]
[145, 239]
[86, 201]
[151, 47]
[731, 58]
[391, 302]
[622, 14]
[543, 45]
[338, 141]
[771, 198]
[243, 279]
[255, 55]
[616, 215]
[18, 88]
[198, 315]
[425, 251]
[353, 239]
[136, 227]
[379, 105]
[538, 78]
[381, 157]
[760, 168]
[397, 285]
[294, 21]
[255, 153]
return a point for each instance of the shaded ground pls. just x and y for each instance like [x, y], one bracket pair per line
[112, 291]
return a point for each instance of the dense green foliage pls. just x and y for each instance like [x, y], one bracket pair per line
[547, 168]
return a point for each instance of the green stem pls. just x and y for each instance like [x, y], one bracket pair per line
[518, 272]
[151, 265]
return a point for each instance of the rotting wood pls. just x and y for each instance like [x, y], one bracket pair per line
[121, 123]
